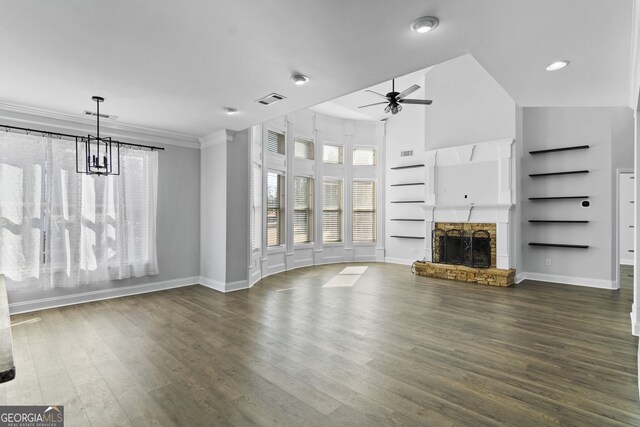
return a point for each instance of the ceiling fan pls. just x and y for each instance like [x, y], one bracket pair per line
[394, 99]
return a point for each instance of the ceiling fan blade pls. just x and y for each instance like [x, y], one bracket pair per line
[416, 101]
[407, 91]
[376, 93]
[371, 105]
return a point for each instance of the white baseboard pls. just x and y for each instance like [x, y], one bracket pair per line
[569, 280]
[401, 261]
[98, 295]
[219, 286]
[236, 286]
[216, 285]
[520, 277]
[628, 261]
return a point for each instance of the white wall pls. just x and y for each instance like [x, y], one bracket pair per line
[405, 132]
[626, 222]
[237, 229]
[224, 214]
[469, 106]
[213, 212]
[605, 130]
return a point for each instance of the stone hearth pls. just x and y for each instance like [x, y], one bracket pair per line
[485, 276]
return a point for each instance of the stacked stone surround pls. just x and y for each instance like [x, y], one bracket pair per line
[485, 276]
[471, 227]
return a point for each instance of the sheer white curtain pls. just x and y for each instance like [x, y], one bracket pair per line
[22, 172]
[92, 228]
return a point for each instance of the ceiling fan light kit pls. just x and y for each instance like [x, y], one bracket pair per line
[394, 99]
[424, 24]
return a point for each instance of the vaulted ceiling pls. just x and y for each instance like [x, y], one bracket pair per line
[174, 66]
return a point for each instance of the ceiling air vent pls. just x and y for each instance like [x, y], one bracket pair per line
[270, 99]
[102, 116]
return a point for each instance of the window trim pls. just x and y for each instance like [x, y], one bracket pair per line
[281, 131]
[300, 137]
[282, 209]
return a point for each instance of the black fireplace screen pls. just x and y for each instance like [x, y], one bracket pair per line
[462, 247]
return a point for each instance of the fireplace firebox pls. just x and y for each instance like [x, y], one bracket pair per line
[462, 247]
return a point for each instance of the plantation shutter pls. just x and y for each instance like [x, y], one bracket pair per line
[364, 211]
[332, 211]
[302, 210]
[275, 142]
[303, 149]
[275, 211]
[256, 219]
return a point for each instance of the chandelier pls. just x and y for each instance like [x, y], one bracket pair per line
[97, 155]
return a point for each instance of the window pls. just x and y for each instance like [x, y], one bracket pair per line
[332, 211]
[256, 207]
[302, 209]
[303, 149]
[364, 211]
[332, 154]
[275, 209]
[364, 156]
[59, 228]
[275, 142]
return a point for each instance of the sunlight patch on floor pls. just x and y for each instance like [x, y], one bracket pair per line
[346, 278]
[353, 270]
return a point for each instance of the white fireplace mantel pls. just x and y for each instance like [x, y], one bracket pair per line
[495, 204]
[468, 213]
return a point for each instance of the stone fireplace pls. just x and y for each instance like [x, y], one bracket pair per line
[471, 193]
[470, 244]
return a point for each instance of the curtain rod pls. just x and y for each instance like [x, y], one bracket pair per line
[65, 135]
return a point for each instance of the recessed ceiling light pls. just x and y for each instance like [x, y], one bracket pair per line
[230, 111]
[299, 79]
[424, 24]
[558, 65]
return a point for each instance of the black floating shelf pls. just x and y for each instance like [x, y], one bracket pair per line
[408, 201]
[408, 183]
[533, 175]
[407, 219]
[561, 221]
[553, 150]
[408, 237]
[408, 167]
[559, 245]
[558, 197]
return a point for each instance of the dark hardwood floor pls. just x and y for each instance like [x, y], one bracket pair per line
[392, 349]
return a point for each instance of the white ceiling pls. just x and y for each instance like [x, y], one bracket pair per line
[174, 66]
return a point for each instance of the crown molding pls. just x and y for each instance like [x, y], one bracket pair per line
[55, 121]
[219, 137]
